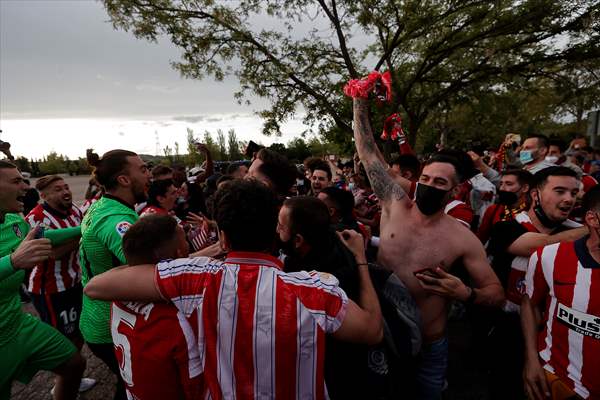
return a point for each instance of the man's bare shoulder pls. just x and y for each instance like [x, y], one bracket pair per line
[458, 232]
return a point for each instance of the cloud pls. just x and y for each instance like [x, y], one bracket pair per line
[214, 119]
[192, 119]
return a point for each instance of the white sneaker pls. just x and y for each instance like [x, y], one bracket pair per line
[86, 384]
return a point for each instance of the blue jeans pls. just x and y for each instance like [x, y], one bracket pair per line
[431, 370]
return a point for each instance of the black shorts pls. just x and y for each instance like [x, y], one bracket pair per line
[61, 310]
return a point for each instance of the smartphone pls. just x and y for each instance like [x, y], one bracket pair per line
[332, 157]
[426, 271]
[39, 234]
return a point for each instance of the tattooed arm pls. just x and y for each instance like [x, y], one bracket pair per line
[384, 186]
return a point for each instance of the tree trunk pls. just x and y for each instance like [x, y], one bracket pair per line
[414, 123]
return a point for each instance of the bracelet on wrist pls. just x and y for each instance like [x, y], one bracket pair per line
[365, 263]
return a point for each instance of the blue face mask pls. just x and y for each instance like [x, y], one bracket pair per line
[525, 156]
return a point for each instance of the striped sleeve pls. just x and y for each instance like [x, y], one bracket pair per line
[535, 282]
[182, 281]
[321, 294]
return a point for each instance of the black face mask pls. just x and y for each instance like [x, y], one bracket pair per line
[507, 198]
[543, 217]
[430, 199]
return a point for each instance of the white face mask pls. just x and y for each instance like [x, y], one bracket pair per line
[552, 159]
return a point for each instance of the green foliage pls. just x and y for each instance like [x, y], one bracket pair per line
[233, 146]
[299, 54]
[23, 164]
[53, 163]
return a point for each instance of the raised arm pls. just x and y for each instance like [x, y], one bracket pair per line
[363, 322]
[384, 186]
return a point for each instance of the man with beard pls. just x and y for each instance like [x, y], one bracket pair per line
[126, 179]
[420, 243]
[511, 243]
[320, 178]
[308, 241]
[55, 284]
[27, 345]
[532, 156]
[513, 197]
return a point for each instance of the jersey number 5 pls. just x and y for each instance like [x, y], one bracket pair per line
[121, 342]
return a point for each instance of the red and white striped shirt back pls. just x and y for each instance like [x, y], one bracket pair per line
[569, 344]
[261, 333]
[53, 275]
[155, 347]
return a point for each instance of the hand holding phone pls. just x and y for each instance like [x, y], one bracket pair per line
[426, 271]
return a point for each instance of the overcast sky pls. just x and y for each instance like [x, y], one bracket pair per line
[69, 81]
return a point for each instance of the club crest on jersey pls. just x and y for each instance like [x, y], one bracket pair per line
[585, 324]
[17, 230]
[122, 227]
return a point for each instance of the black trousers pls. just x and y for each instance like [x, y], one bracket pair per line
[106, 352]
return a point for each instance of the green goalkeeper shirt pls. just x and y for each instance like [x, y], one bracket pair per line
[101, 249]
[12, 232]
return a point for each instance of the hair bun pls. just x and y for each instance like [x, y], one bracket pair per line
[92, 158]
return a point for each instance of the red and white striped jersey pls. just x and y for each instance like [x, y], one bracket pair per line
[261, 332]
[460, 211]
[518, 267]
[155, 347]
[53, 276]
[154, 210]
[86, 204]
[150, 210]
[565, 278]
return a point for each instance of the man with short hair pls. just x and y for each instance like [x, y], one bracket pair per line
[532, 156]
[307, 240]
[55, 285]
[162, 197]
[162, 172]
[274, 170]
[420, 243]
[237, 170]
[263, 330]
[27, 345]
[154, 339]
[126, 180]
[513, 198]
[556, 149]
[562, 283]
[340, 204]
[533, 153]
[511, 243]
[320, 178]
[407, 166]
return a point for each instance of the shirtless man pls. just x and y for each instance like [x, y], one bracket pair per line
[418, 235]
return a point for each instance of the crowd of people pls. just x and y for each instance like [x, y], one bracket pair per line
[328, 279]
